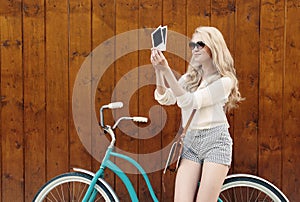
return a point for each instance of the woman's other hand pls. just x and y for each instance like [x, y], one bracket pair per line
[158, 60]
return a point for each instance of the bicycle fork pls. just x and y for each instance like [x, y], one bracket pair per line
[92, 192]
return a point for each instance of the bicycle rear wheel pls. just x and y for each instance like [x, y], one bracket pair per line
[72, 187]
[249, 188]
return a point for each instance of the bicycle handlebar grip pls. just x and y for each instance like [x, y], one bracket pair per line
[140, 119]
[115, 105]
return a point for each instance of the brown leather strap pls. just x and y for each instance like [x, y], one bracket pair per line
[188, 123]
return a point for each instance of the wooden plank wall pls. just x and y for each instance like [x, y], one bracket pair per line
[44, 43]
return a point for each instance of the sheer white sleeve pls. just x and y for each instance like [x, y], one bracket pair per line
[167, 98]
[214, 93]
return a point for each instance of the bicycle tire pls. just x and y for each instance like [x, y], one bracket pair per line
[249, 188]
[72, 187]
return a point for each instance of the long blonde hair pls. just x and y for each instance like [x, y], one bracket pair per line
[222, 61]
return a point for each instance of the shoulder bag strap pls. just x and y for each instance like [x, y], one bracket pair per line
[188, 123]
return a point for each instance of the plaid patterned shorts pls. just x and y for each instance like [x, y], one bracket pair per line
[210, 145]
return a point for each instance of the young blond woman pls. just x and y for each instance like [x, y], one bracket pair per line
[210, 86]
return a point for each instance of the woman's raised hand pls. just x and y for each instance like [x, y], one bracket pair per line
[158, 60]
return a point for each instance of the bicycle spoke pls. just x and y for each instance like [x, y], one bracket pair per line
[250, 188]
[251, 194]
[235, 199]
[73, 191]
[54, 196]
[82, 192]
[73, 187]
[98, 199]
[244, 194]
[49, 199]
[62, 193]
[257, 197]
[247, 193]
[241, 193]
[69, 190]
[265, 198]
[226, 197]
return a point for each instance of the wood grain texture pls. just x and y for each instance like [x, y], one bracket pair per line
[247, 66]
[34, 96]
[57, 88]
[198, 14]
[270, 88]
[12, 134]
[291, 110]
[80, 47]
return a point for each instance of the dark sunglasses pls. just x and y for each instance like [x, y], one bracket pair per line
[198, 44]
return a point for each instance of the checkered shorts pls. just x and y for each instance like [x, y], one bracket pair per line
[210, 145]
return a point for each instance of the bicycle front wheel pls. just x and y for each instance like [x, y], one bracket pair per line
[249, 188]
[72, 187]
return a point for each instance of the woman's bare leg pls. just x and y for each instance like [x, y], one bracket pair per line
[213, 176]
[187, 179]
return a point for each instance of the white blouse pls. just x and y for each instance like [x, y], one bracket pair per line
[209, 100]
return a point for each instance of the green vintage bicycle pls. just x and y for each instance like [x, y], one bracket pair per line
[86, 186]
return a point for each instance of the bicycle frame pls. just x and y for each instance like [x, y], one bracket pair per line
[106, 163]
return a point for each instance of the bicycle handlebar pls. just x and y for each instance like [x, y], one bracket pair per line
[140, 119]
[109, 129]
[115, 105]
[135, 119]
